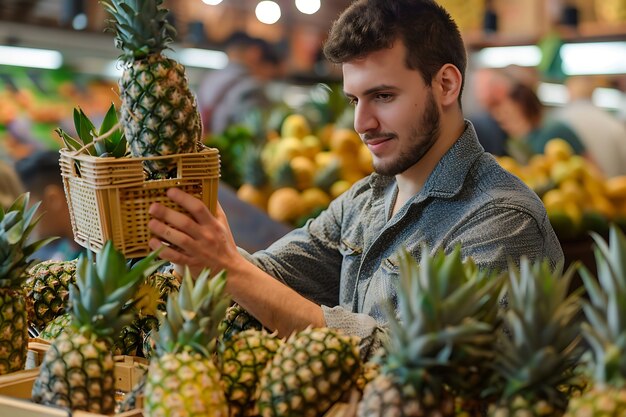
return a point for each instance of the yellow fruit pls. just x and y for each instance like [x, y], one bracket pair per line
[604, 206]
[314, 198]
[345, 141]
[295, 125]
[286, 149]
[304, 171]
[253, 195]
[538, 164]
[338, 188]
[573, 191]
[554, 200]
[560, 171]
[510, 165]
[285, 205]
[325, 158]
[324, 134]
[558, 150]
[365, 160]
[311, 146]
[615, 188]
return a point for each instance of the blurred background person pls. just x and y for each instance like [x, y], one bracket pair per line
[227, 96]
[40, 173]
[602, 133]
[490, 86]
[522, 115]
[10, 185]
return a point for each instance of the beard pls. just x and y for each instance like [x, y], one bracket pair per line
[422, 137]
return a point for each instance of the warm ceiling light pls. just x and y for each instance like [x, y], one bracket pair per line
[30, 57]
[267, 12]
[212, 2]
[308, 6]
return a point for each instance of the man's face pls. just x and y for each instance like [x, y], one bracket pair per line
[396, 114]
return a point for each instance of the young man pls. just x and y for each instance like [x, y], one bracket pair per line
[403, 64]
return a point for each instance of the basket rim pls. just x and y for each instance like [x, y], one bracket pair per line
[112, 159]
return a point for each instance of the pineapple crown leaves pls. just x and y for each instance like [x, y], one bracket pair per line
[141, 27]
[605, 311]
[193, 315]
[100, 297]
[16, 225]
[543, 319]
[109, 140]
[441, 303]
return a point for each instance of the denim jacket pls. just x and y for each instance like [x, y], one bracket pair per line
[346, 258]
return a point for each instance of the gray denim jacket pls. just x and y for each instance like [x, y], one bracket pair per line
[346, 258]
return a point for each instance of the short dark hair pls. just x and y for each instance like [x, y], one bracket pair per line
[38, 170]
[528, 102]
[430, 35]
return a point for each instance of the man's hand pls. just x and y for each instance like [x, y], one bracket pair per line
[198, 240]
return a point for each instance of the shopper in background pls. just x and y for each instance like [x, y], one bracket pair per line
[433, 185]
[603, 134]
[10, 186]
[522, 115]
[490, 86]
[40, 173]
[228, 95]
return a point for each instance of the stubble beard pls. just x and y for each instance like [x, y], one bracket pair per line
[423, 136]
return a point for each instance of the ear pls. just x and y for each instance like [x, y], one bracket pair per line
[450, 79]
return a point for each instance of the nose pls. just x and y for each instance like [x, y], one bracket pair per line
[364, 118]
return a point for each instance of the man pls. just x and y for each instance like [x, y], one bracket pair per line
[403, 64]
[40, 173]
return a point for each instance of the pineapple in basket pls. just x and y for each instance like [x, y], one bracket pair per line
[182, 377]
[159, 112]
[16, 224]
[443, 331]
[48, 287]
[605, 331]
[77, 370]
[536, 361]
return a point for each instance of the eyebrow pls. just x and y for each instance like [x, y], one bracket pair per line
[373, 90]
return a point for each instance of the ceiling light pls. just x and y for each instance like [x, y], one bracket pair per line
[501, 56]
[30, 57]
[212, 2]
[202, 58]
[267, 12]
[79, 22]
[308, 6]
[594, 58]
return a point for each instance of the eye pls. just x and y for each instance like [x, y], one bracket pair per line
[384, 97]
[352, 101]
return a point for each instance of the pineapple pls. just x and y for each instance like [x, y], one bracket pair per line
[182, 378]
[441, 332]
[16, 224]
[159, 113]
[241, 361]
[605, 331]
[150, 298]
[56, 326]
[77, 370]
[536, 360]
[310, 371]
[47, 287]
[237, 319]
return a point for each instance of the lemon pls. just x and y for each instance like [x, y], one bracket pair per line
[253, 196]
[339, 187]
[311, 146]
[345, 141]
[558, 149]
[295, 125]
[285, 205]
[315, 198]
[304, 171]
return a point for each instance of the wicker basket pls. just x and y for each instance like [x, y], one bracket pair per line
[108, 198]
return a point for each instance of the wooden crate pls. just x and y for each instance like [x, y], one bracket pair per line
[108, 198]
[15, 391]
